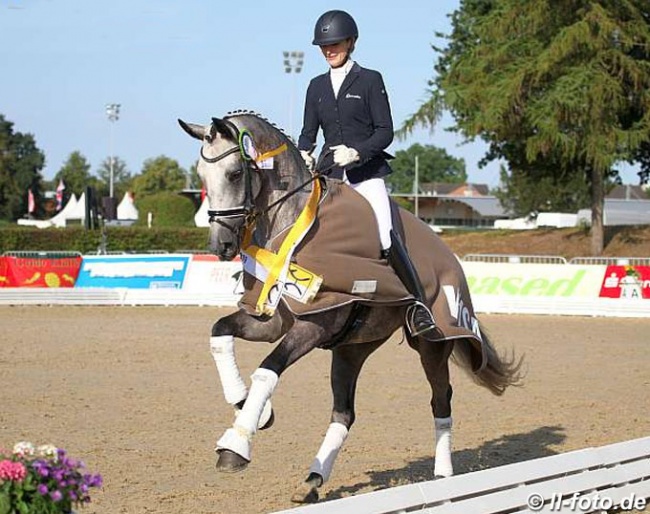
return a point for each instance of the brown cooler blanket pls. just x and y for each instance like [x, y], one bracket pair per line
[343, 247]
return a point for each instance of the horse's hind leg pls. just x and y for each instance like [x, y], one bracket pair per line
[434, 357]
[222, 347]
[347, 361]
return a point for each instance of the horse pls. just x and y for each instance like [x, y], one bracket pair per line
[260, 192]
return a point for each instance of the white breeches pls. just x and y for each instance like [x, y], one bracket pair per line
[374, 190]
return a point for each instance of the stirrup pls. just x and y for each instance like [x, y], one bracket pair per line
[411, 312]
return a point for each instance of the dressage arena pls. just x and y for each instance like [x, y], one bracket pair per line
[134, 393]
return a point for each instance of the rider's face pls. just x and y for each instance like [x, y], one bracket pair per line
[337, 54]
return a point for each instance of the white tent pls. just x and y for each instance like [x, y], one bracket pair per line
[201, 216]
[59, 220]
[79, 210]
[126, 210]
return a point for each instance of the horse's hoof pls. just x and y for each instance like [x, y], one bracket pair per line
[230, 462]
[305, 493]
[269, 422]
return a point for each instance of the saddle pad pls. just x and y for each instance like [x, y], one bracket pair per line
[343, 247]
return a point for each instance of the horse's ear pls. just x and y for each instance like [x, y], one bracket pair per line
[225, 128]
[194, 130]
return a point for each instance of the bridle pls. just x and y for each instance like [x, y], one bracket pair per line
[247, 210]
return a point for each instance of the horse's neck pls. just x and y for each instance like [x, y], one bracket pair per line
[274, 223]
[287, 174]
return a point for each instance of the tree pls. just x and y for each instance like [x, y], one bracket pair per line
[158, 175]
[75, 173]
[563, 82]
[434, 165]
[21, 163]
[122, 178]
[194, 181]
[521, 193]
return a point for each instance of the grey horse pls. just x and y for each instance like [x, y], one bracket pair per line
[253, 173]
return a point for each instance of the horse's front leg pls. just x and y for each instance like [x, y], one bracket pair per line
[222, 347]
[347, 361]
[234, 447]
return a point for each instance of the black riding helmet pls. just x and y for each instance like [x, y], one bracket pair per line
[334, 27]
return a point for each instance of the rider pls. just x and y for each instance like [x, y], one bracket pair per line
[350, 104]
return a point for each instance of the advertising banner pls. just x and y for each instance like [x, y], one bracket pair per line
[133, 271]
[533, 280]
[38, 271]
[631, 282]
[4, 279]
[207, 274]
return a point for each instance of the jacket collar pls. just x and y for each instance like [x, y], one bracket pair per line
[352, 75]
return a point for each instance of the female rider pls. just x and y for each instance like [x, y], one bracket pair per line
[351, 106]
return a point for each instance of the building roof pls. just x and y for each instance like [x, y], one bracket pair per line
[455, 189]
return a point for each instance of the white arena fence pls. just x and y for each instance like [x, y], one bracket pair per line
[590, 480]
[514, 259]
[500, 284]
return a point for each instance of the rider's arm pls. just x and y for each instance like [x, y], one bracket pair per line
[311, 123]
[382, 120]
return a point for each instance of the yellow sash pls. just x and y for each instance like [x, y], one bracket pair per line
[277, 265]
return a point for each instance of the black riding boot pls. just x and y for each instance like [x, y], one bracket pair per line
[419, 318]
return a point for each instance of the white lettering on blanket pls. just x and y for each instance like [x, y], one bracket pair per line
[460, 312]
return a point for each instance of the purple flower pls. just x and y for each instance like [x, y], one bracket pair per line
[56, 496]
[42, 489]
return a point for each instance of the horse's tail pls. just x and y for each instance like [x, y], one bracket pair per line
[497, 372]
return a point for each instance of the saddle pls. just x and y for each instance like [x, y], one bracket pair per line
[342, 250]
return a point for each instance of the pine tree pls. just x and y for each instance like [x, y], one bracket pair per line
[561, 82]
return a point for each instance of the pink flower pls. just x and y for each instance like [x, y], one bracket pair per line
[10, 470]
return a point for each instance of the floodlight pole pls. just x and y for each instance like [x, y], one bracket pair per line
[113, 113]
[293, 62]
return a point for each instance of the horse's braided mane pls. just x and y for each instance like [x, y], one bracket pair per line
[244, 112]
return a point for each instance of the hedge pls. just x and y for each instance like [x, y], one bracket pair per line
[78, 239]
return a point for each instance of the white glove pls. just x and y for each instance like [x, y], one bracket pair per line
[344, 155]
[309, 159]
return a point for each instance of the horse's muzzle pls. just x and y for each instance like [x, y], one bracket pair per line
[227, 251]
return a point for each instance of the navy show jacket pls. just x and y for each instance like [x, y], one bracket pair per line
[359, 117]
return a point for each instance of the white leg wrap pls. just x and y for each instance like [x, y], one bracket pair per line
[238, 438]
[223, 352]
[443, 466]
[336, 435]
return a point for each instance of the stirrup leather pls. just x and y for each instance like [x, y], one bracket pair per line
[411, 311]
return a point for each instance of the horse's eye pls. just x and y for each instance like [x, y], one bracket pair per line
[235, 175]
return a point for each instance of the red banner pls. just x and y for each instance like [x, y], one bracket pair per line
[4, 280]
[631, 282]
[39, 272]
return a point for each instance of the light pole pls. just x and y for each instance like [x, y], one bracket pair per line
[293, 62]
[113, 113]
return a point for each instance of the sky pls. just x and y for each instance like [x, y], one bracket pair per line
[63, 61]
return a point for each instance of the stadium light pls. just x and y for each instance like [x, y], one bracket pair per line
[113, 113]
[293, 63]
